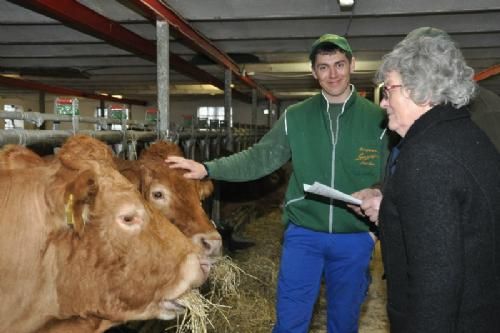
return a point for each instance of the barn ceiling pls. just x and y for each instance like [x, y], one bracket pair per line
[265, 42]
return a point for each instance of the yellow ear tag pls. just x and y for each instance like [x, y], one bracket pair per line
[68, 210]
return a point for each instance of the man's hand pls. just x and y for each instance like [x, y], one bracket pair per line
[195, 170]
[370, 204]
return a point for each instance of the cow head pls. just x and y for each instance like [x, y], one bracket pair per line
[178, 198]
[119, 260]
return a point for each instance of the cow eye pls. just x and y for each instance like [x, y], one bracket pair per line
[128, 219]
[157, 195]
[132, 218]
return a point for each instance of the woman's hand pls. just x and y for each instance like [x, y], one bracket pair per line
[370, 203]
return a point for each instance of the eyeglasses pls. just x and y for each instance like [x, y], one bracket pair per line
[386, 90]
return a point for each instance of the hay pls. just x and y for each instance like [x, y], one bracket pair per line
[197, 317]
[251, 306]
[242, 287]
[234, 302]
[224, 279]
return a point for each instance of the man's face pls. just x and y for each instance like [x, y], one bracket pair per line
[333, 72]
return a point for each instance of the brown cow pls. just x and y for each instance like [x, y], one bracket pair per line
[118, 260]
[178, 198]
[15, 157]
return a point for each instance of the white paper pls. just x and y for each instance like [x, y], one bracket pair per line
[327, 191]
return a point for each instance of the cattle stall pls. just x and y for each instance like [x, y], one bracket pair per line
[199, 143]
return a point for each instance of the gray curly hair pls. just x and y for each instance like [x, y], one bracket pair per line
[432, 68]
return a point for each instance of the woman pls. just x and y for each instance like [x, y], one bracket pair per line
[440, 214]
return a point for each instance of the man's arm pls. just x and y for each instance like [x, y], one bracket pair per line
[264, 157]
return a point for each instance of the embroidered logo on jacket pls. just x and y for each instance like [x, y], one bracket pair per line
[367, 156]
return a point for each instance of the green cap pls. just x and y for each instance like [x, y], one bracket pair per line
[341, 42]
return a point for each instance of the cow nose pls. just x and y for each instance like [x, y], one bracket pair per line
[210, 242]
[195, 270]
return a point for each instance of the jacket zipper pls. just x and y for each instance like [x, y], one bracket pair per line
[334, 137]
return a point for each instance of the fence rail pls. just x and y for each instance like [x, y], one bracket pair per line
[200, 144]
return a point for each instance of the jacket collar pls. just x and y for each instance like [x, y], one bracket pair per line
[438, 114]
[350, 99]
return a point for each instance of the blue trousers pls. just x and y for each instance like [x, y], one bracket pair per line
[308, 256]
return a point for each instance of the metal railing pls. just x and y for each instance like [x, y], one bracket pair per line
[200, 143]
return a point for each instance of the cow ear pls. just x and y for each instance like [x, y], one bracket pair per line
[80, 194]
[82, 152]
[160, 150]
[205, 188]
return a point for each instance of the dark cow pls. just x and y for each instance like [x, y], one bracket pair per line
[178, 198]
[81, 250]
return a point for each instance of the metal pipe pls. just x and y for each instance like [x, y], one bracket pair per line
[254, 113]
[228, 103]
[163, 78]
[57, 137]
[39, 118]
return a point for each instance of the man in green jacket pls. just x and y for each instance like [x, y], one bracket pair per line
[336, 138]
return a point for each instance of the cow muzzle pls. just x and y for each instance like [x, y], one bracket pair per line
[209, 242]
[170, 309]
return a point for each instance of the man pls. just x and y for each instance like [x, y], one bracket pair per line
[336, 138]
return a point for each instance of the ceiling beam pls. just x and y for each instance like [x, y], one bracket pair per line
[196, 41]
[491, 71]
[99, 26]
[33, 85]
[83, 19]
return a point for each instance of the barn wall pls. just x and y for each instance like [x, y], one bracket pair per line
[180, 107]
[188, 105]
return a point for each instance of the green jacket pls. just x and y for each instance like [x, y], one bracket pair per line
[350, 160]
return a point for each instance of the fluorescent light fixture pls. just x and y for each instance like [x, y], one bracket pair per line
[11, 75]
[296, 68]
[194, 89]
[346, 3]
